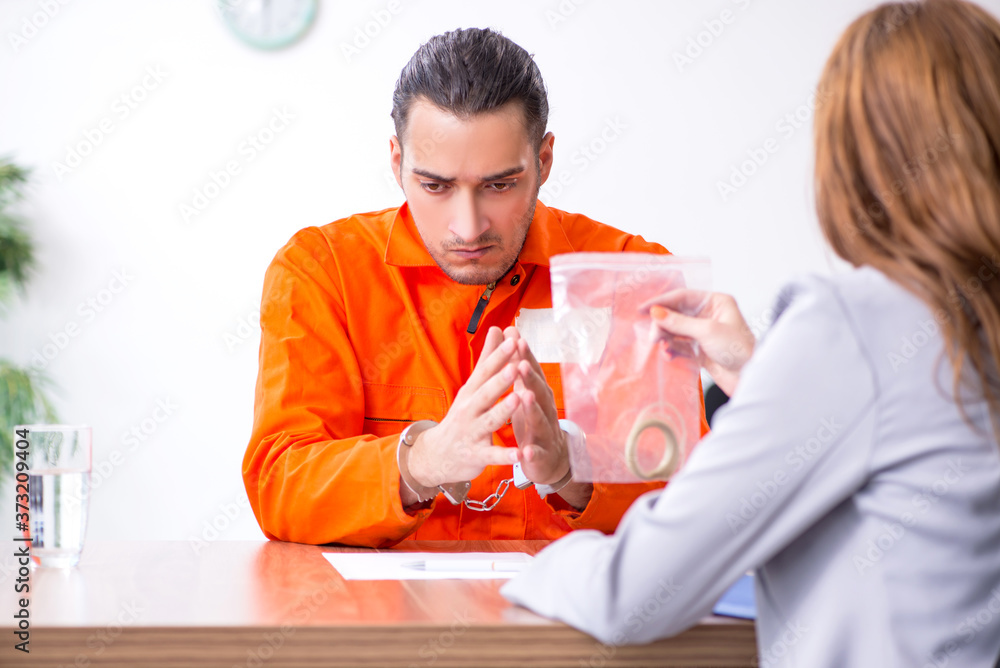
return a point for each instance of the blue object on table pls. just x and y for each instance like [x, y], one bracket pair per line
[738, 601]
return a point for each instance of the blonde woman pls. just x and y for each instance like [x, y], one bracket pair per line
[857, 466]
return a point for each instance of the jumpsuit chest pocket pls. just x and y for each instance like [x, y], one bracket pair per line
[389, 408]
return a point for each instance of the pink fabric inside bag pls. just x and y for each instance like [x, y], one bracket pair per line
[632, 391]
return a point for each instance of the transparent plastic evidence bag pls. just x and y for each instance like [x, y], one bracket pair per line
[633, 390]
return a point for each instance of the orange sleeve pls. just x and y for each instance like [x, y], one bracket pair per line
[609, 501]
[310, 474]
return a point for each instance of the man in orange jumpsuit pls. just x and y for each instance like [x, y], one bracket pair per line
[402, 320]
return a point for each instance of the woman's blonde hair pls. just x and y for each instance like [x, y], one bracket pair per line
[907, 168]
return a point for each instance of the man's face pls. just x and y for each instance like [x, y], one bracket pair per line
[471, 185]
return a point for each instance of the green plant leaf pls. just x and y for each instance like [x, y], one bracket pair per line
[17, 255]
[23, 400]
[23, 392]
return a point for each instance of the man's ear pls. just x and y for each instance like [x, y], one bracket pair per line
[396, 159]
[545, 157]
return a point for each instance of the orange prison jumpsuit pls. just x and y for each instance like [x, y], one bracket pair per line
[362, 334]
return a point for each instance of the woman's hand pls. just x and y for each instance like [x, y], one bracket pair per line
[724, 340]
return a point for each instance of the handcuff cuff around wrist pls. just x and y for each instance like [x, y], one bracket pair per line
[456, 492]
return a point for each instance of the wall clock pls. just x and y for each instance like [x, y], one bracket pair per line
[269, 24]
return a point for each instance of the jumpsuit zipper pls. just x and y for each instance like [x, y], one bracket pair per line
[477, 315]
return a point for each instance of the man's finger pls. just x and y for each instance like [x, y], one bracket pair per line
[518, 382]
[531, 405]
[545, 418]
[524, 350]
[534, 380]
[498, 455]
[489, 365]
[497, 416]
[490, 391]
[494, 337]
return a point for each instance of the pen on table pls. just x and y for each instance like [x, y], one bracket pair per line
[467, 565]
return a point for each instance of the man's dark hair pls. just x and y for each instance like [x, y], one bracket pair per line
[469, 72]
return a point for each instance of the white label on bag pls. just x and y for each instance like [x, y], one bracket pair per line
[579, 337]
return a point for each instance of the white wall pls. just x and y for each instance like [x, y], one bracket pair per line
[162, 338]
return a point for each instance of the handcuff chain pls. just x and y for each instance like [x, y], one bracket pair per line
[491, 501]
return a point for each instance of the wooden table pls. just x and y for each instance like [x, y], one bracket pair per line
[252, 604]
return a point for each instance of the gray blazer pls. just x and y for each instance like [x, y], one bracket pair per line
[844, 473]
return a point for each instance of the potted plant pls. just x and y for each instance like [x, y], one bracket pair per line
[23, 391]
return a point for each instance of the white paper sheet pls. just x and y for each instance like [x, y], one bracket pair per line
[398, 565]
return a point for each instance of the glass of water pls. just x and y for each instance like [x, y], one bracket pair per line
[58, 468]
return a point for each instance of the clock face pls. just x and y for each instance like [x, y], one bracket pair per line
[268, 24]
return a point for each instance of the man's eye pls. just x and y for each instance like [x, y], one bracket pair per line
[501, 186]
[432, 187]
